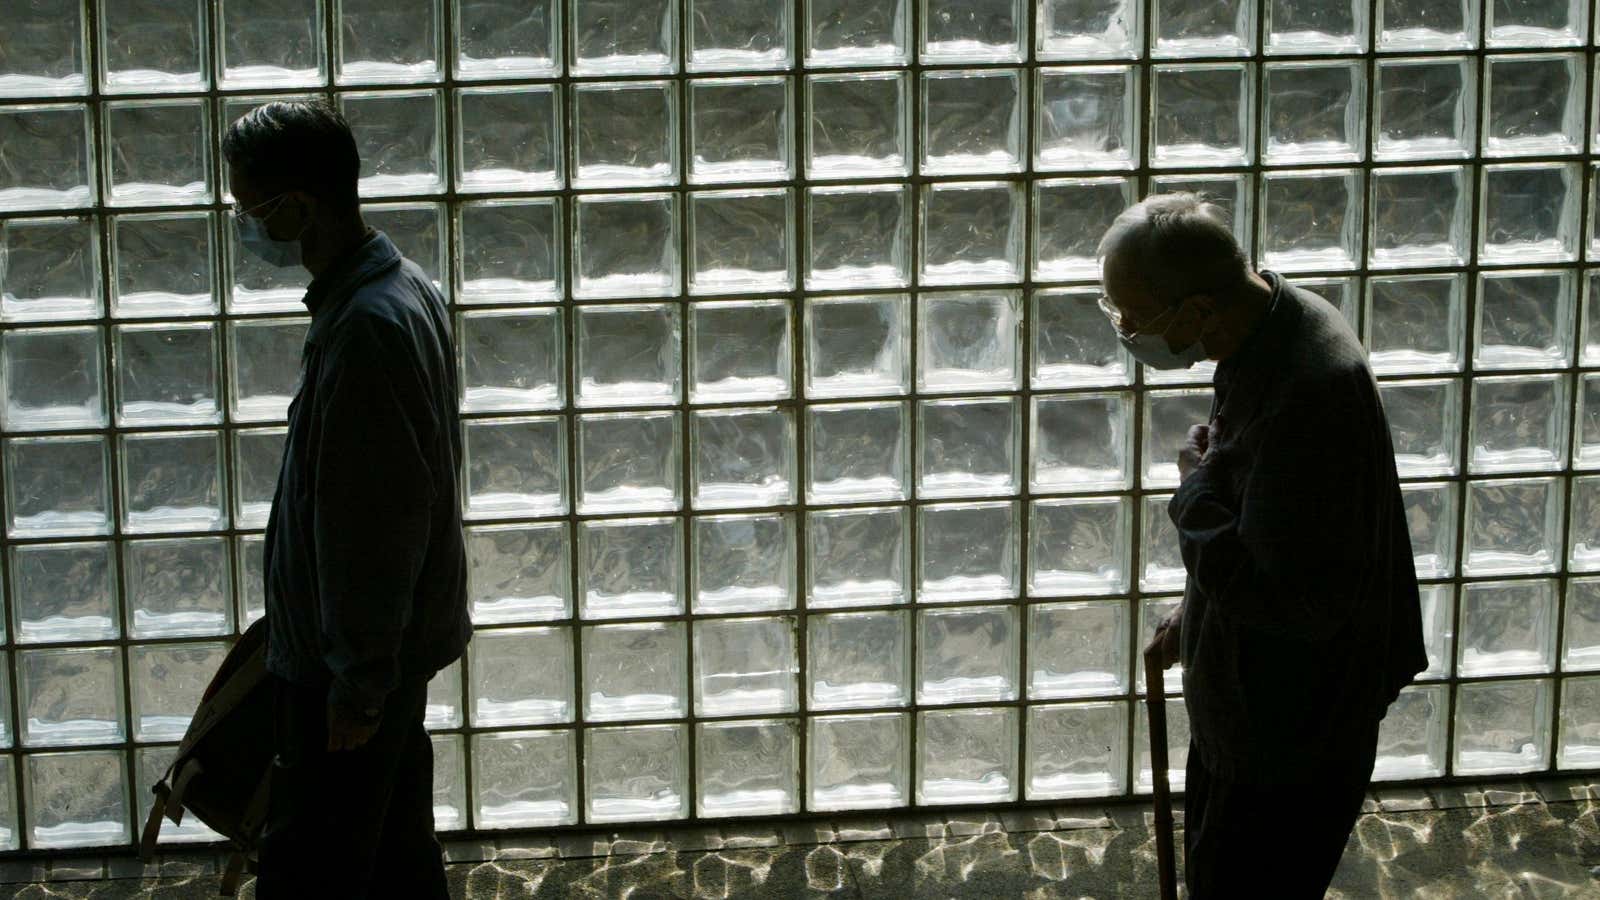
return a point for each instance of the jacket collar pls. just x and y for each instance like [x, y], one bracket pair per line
[328, 291]
[1262, 343]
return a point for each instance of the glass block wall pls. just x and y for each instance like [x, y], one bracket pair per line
[803, 474]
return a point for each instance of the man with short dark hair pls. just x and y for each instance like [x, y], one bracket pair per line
[365, 564]
[1300, 620]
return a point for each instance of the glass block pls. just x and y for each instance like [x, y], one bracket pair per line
[449, 782]
[1316, 26]
[739, 351]
[1161, 564]
[70, 697]
[397, 135]
[1438, 629]
[1411, 738]
[158, 153]
[512, 360]
[967, 447]
[1315, 112]
[1502, 726]
[969, 341]
[1081, 442]
[442, 708]
[525, 779]
[508, 139]
[271, 44]
[520, 676]
[1534, 105]
[1080, 546]
[56, 487]
[968, 552]
[149, 46]
[615, 476]
[857, 557]
[1519, 423]
[624, 37]
[743, 457]
[177, 588]
[1513, 527]
[1525, 320]
[265, 355]
[418, 230]
[628, 355]
[1077, 649]
[634, 671]
[1529, 213]
[1427, 25]
[166, 374]
[257, 458]
[509, 251]
[636, 774]
[625, 134]
[48, 157]
[163, 265]
[1177, 746]
[1342, 293]
[1311, 220]
[859, 126]
[1069, 217]
[52, 270]
[739, 35]
[53, 379]
[515, 467]
[1535, 23]
[844, 33]
[972, 122]
[967, 756]
[747, 768]
[1586, 440]
[1419, 217]
[1167, 418]
[1105, 29]
[1201, 28]
[1077, 750]
[76, 799]
[381, 41]
[501, 40]
[45, 58]
[743, 563]
[151, 765]
[250, 550]
[63, 592]
[858, 762]
[972, 232]
[1071, 345]
[741, 241]
[1202, 115]
[857, 452]
[1431, 521]
[1415, 323]
[1583, 534]
[739, 129]
[1580, 650]
[856, 346]
[1086, 118]
[167, 681]
[630, 567]
[518, 573]
[172, 481]
[1425, 109]
[973, 31]
[1507, 628]
[1424, 425]
[626, 246]
[745, 667]
[858, 659]
[860, 236]
[1580, 727]
[967, 655]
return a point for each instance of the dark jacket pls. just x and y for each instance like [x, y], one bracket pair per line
[1301, 620]
[365, 563]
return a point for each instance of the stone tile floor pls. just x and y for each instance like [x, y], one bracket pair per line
[1535, 839]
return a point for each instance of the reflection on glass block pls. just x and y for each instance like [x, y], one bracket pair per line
[512, 360]
[1519, 423]
[973, 30]
[524, 779]
[1529, 213]
[1425, 109]
[747, 768]
[625, 134]
[967, 448]
[1411, 738]
[1167, 418]
[638, 773]
[52, 269]
[742, 34]
[518, 573]
[508, 139]
[624, 37]
[1438, 629]
[972, 122]
[967, 756]
[615, 476]
[857, 452]
[1105, 29]
[1507, 628]
[1427, 24]
[1525, 319]
[860, 236]
[743, 563]
[1312, 220]
[175, 588]
[265, 354]
[152, 45]
[739, 129]
[1177, 746]
[449, 782]
[969, 341]
[1419, 217]
[1077, 750]
[1072, 344]
[508, 251]
[634, 671]
[443, 704]
[53, 378]
[1580, 725]
[859, 126]
[858, 762]
[172, 481]
[856, 346]
[47, 155]
[158, 153]
[257, 457]
[1424, 425]
[163, 265]
[1431, 522]
[64, 592]
[1534, 105]
[1586, 443]
[70, 697]
[858, 659]
[628, 355]
[502, 40]
[1415, 323]
[76, 799]
[167, 681]
[271, 44]
[1315, 112]
[1161, 565]
[385, 41]
[1077, 649]
[1081, 442]
[1069, 217]
[151, 765]
[968, 552]
[972, 232]
[1316, 26]
[56, 486]
[397, 135]
[1513, 527]
[1204, 27]
[1080, 546]
[967, 655]
[1580, 648]
[251, 552]
[745, 667]
[739, 351]
[520, 676]
[626, 245]
[166, 374]
[1502, 726]
[1086, 118]
[741, 241]
[630, 567]
[515, 467]
[743, 457]
[857, 557]
[1202, 115]
[44, 58]
[844, 33]
[1535, 23]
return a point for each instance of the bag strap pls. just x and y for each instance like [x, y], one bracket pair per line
[152, 825]
[232, 875]
[248, 676]
[186, 773]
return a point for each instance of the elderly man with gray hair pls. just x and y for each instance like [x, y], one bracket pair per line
[1300, 620]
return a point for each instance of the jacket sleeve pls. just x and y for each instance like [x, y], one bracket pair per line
[373, 491]
[1290, 557]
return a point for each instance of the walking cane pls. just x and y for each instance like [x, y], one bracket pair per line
[1156, 704]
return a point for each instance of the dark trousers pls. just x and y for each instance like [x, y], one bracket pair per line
[356, 823]
[1280, 841]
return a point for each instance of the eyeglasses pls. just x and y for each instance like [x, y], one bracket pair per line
[1121, 323]
[239, 212]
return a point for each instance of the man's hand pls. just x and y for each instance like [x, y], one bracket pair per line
[1166, 641]
[1194, 450]
[349, 729]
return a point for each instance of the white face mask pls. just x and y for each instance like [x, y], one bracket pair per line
[1152, 349]
[253, 236]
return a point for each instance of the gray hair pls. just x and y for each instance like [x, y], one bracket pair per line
[1177, 244]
